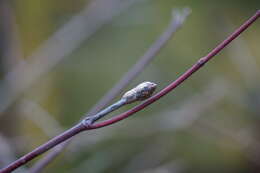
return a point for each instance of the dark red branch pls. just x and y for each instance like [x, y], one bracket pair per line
[180, 79]
[78, 128]
[43, 148]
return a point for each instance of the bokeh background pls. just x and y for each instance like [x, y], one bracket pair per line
[51, 76]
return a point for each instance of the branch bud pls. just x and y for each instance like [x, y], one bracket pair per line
[140, 92]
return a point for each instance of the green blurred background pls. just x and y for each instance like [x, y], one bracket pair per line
[209, 124]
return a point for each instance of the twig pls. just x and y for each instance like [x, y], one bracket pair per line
[178, 18]
[170, 120]
[139, 93]
[83, 127]
[177, 21]
[183, 77]
[7, 153]
[40, 165]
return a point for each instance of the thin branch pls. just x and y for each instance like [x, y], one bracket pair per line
[7, 153]
[139, 93]
[178, 18]
[170, 120]
[40, 165]
[83, 127]
[182, 78]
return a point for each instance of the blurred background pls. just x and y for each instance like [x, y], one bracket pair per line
[58, 58]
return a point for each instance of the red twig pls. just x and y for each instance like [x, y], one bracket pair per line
[182, 78]
[80, 127]
[43, 148]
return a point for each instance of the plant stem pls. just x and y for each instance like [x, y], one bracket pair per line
[182, 78]
[81, 127]
[43, 148]
[140, 92]
[111, 108]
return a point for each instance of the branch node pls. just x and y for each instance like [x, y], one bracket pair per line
[87, 122]
[202, 61]
[179, 16]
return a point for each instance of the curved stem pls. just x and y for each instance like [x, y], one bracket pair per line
[140, 92]
[182, 78]
[99, 115]
[80, 127]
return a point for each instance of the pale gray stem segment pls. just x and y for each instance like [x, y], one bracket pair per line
[91, 119]
[139, 93]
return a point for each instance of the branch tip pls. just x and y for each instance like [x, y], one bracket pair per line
[140, 92]
[180, 14]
